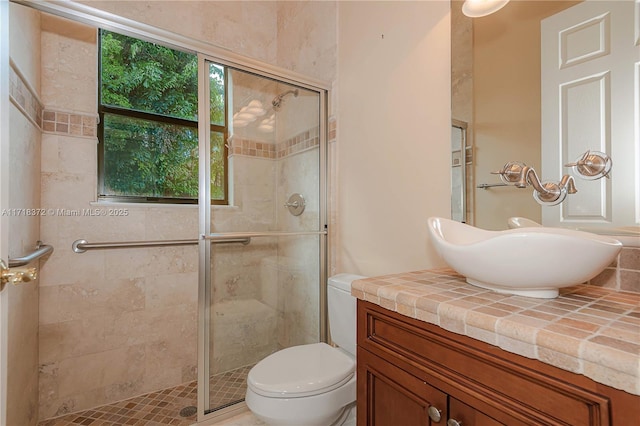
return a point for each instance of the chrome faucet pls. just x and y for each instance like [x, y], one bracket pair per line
[591, 165]
[547, 193]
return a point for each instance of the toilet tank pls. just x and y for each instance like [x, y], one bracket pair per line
[342, 311]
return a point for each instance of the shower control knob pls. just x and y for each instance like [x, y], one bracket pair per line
[434, 414]
[295, 204]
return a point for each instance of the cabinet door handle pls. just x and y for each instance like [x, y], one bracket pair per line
[434, 414]
[453, 422]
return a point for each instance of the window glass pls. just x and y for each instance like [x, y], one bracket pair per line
[144, 158]
[148, 123]
[217, 87]
[143, 76]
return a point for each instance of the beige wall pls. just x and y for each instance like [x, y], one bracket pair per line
[24, 232]
[393, 133]
[506, 76]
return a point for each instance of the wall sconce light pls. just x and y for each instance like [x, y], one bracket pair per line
[479, 8]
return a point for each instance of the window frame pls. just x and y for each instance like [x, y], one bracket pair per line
[158, 118]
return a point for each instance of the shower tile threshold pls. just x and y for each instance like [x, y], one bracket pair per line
[161, 407]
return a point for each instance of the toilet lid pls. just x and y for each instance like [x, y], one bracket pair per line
[301, 371]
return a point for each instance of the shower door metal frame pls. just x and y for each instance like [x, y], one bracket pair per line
[204, 205]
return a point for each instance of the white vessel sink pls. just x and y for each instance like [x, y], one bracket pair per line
[629, 236]
[521, 222]
[532, 261]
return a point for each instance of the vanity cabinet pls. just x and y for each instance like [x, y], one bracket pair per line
[414, 373]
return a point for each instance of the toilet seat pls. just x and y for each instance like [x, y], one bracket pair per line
[301, 371]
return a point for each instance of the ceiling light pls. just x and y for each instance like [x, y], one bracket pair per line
[479, 8]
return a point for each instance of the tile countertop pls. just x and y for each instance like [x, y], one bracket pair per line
[587, 330]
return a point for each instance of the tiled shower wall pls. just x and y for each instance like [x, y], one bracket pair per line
[117, 323]
[113, 323]
[271, 285]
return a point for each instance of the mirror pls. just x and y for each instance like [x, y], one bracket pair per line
[496, 92]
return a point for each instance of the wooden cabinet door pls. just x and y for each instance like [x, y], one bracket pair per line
[389, 396]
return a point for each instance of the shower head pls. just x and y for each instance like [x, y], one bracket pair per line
[277, 101]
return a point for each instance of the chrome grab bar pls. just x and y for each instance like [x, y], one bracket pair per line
[80, 246]
[41, 250]
[244, 238]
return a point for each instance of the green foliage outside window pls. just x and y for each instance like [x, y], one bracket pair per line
[149, 111]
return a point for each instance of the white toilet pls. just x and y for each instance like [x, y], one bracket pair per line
[315, 384]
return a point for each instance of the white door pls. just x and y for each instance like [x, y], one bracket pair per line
[590, 95]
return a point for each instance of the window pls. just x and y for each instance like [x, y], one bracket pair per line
[148, 132]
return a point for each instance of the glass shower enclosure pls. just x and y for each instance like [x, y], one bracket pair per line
[263, 244]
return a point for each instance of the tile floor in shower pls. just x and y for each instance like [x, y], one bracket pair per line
[160, 407]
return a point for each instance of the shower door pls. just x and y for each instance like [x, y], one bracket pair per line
[263, 262]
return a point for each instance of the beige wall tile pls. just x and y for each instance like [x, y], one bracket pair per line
[172, 290]
[630, 258]
[630, 281]
[56, 270]
[307, 38]
[137, 306]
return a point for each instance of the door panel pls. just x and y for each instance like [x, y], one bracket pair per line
[590, 101]
[266, 268]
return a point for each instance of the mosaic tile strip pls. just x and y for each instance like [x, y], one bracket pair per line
[69, 123]
[305, 140]
[587, 330]
[161, 407]
[251, 148]
[298, 143]
[24, 97]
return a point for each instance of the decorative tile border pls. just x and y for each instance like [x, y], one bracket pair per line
[586, 330]
[300, 142]
[23, 96]
[69, 123]
[251, 148]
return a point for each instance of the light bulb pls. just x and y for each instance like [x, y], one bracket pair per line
[479, 8]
